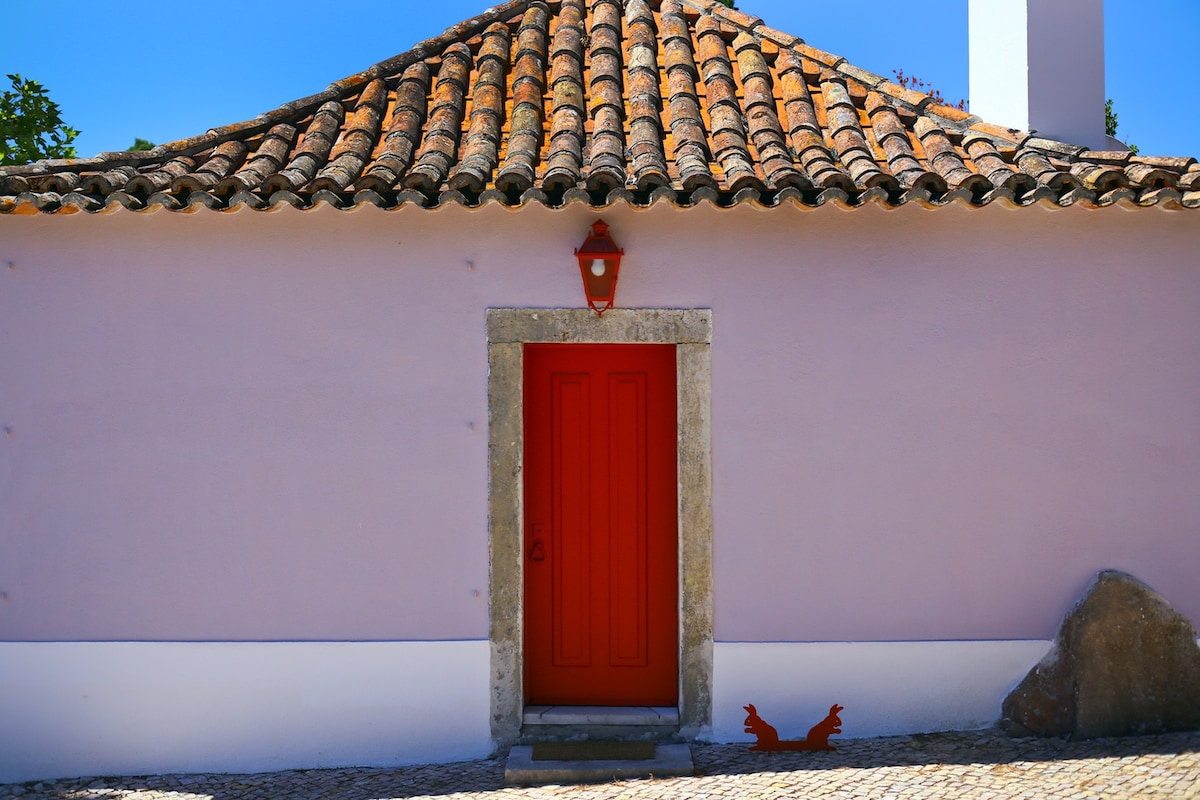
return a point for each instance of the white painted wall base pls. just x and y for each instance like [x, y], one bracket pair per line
[887, 688]
[105, 708]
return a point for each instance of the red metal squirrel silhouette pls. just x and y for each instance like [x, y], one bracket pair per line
[817, 739]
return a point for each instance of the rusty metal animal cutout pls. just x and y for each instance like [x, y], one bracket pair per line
[817, 739]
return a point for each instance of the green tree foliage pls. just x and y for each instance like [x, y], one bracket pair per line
[1110, 122]
[140, 144]
[727, 3]
[30, 125]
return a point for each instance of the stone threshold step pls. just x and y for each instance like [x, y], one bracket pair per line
[670, 761]
[601, 715]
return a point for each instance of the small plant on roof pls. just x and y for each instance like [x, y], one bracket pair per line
[918, 85]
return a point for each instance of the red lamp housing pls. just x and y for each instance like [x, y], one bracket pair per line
[599, 263]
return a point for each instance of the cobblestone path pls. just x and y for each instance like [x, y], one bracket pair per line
[962, 766]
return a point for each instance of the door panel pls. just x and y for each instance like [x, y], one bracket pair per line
[600, 521]
[628, 578]
[570, 542]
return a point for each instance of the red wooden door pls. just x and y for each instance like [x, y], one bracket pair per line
[600, 525]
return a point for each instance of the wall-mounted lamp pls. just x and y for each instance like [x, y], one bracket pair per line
[599, 263]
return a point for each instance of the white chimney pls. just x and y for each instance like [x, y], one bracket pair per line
[1038, 65]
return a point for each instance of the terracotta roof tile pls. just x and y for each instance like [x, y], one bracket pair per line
[480, 155]
[564, 164]
[604, 101]
[528, 87]
[808, 140]
[892, 137]
[648, 161]
[439, 150]
[762, 118]
[1099, 177]
[403, 133]
[270, 155]
[1190, 181]
[350, 155]
[151, 182]
[842, 119]
[687, 123]
[992, 165]
[727, 118]
[220, 164]
[315, 146]
[942, 155]
[105, 182]
[606, 154]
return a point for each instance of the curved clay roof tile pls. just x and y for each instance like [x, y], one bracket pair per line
[601, 101]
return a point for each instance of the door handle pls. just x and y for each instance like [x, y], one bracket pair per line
[537, 552]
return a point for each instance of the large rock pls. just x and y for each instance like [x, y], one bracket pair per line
[1124, 662]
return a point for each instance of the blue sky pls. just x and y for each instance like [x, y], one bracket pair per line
[166, 70]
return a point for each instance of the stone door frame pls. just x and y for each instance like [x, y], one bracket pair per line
[508, 330]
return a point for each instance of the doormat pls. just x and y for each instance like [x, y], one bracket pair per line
[593, 751]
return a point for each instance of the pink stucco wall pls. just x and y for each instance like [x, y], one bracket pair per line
[926, 424]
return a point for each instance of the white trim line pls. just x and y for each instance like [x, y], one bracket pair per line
[886, 687]
[75, 709]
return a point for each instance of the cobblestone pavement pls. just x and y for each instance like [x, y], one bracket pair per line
[963, 766]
